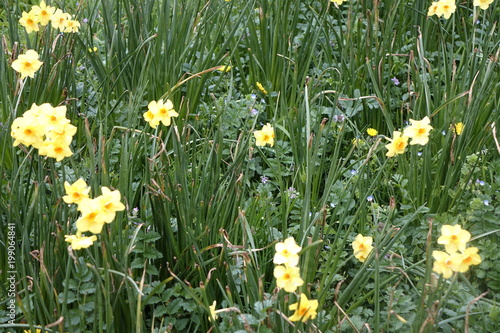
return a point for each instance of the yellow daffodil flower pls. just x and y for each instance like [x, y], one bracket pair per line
[304, 309]
[287, 253]
[76, 192]
[398, 144]
[27, 64]
[288, 278]
[443, 264]
[454, 238]
[29, 21]
[264, 136]
[418, 131]
[80, 242]
[362, 247]
[43, 12]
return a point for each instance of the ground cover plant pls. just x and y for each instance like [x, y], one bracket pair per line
[249, 166]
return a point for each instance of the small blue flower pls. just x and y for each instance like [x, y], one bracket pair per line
[486, 202]
[254, 112]
[338, 118]
[353, 172]
[264, 179]
[292, 192]
[395, 81]
[369, 198]
[419, 153]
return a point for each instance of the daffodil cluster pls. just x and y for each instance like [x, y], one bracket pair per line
[442, 8]
[287, 274]
[43, 15]
[362, 247]
[265, 136]
[457, 258]
[47, 129]
[94, 212]
[160, 112]
[418, 132]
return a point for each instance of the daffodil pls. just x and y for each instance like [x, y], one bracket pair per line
[398, 144]
[28, 131]
[43, 12]
[59, 20]
[443, 264]
[160, 112]
[58, 149]
[27, 64]
[288, 278]
[29, 21]
[418, 131]
[72, 26]
[76, 192]
[287, 252]
[304, 309]
[91, 219]
[109, 204]
[483, 4]
[445, 8]
[432, 9]
[51, 117]
[454, 238]
[464, 260]
[63, 132]
[338, 2]
[362, 247]
[80, 242]
[264, 136]
[212, 311]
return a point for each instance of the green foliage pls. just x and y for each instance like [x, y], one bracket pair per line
[205, 206]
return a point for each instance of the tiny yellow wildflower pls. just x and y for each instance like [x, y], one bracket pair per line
[459, 128]
[261, 87]
[372, 132]
[225, 68]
